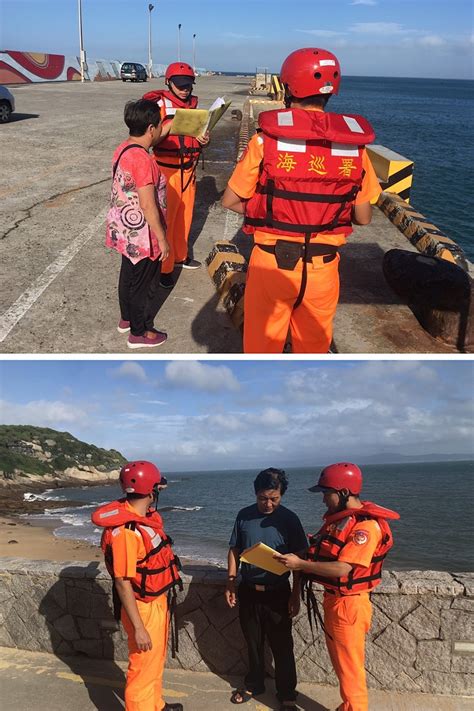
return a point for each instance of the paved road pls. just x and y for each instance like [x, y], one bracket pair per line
[58, 283]
[34, 680]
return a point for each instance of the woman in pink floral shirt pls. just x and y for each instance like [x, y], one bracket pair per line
[136, 223]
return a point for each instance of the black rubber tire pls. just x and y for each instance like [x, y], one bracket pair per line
[5, 111]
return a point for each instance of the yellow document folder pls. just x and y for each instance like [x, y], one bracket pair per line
[195, 122]
[262, 556]
[189, 122]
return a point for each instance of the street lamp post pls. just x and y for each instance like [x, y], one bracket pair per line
[194, 53]
[150, 61]
[179, 42]
[82, 54]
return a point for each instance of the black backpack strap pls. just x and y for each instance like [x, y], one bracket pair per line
[127, 148]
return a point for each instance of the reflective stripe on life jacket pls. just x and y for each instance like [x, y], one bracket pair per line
[158, 571]
[330, 540]
[310, 174]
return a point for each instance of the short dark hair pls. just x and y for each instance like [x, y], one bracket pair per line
[271, 478]
[319, 100]
[138, 115]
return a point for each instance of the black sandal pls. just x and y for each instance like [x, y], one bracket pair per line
[243, 694]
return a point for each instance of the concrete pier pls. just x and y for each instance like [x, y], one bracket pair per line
[58, 290]
[49, 683]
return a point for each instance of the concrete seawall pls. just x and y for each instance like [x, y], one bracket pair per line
[422, 623]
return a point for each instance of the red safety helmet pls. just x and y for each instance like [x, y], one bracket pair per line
[180, 69]
[342, 475]
[310, 71]
[139, 477]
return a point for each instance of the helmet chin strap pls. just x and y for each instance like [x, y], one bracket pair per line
[343, 499]
[156, 496]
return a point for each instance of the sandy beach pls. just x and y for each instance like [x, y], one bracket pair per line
[19, 539]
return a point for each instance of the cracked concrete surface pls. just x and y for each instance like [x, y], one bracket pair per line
[59, 154]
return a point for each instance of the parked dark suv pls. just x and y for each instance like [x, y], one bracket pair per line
[133, 72]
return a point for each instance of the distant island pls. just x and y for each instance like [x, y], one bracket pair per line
[45, 455]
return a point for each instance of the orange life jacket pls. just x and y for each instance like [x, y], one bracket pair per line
[158, 571]
[175, 151]
[310, 174]
[330, 540]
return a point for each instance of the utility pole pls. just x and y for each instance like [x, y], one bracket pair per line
[179, 42]
[150, 61]
[82, 54]
[194, 53]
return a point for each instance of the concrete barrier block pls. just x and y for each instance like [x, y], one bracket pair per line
[439, 293]
[234, 304]
[220, 248]
[422, 234]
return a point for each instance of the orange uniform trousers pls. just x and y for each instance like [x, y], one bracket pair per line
[143, 688]
[179, 214]
[347, 619]
[269, 296]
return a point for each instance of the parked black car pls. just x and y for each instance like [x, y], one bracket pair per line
[133, 72]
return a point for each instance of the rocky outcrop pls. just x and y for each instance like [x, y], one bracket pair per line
[420, 620]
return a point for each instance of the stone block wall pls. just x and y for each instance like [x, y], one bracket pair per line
[65, 608]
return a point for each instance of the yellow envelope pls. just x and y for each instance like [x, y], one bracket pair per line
[261, 555]
[189, 122]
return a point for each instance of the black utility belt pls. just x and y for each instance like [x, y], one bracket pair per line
[265, 588]
[287, 254]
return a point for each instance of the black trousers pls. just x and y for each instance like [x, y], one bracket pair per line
[137, 290]
[265, 614]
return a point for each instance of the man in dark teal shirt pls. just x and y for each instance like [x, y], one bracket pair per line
[266, 602]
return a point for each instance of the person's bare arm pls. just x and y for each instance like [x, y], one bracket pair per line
[165, 130]
[362, 214]
[331, 569]
[127, 598]
[147, 199]
[232, 201]
[232, 568]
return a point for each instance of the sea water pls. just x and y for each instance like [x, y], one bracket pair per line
[434, 499]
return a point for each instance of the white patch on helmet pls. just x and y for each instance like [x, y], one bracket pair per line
[328, 89]
[327, 63]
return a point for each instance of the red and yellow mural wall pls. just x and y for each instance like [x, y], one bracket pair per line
[24, 67]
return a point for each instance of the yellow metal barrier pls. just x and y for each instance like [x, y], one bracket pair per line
[394, 172]
[277, 90]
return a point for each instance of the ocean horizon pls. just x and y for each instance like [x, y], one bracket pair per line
[199, 509]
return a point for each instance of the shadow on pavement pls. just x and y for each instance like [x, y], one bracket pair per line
[74, 636]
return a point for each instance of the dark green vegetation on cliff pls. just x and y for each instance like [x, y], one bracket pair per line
[40, 450]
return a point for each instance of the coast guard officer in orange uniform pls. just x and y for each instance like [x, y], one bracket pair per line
[303, 181]
[177, 157]
[346, 558]
[145, 571]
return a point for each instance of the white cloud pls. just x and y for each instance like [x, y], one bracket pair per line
[41, 413]
[322, 33]
[381, 28]
[129, 369]
[229, 422]
[363, 2]
[192, 374]
[431, 41]
[271, 417]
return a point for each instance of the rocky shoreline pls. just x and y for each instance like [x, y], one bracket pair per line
[12, 492]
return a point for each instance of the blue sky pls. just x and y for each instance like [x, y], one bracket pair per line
[191, 415]
[424, 38]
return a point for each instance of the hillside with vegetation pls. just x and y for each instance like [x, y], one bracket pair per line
[37, 452]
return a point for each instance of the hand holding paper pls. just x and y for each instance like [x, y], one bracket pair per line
[196, 122]
[262, 556]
